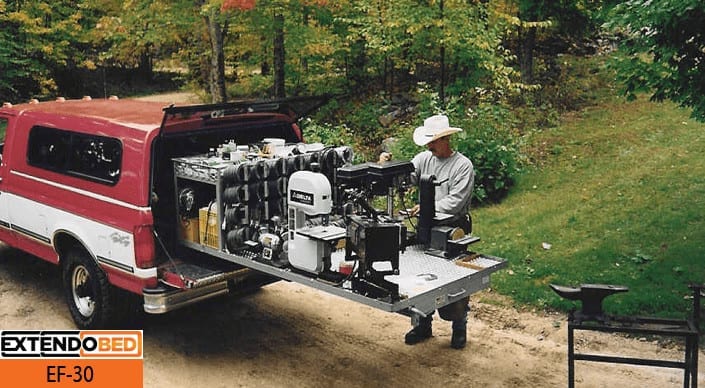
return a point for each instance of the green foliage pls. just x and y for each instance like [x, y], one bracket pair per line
[663, 46]
[344, 46]
[309, 46]
[576, 83]
[132, 33]
[15, 75]
[489, 142]
[250, 85]
[570, 17]
[363, 121]
[403, 39]
[39, 38]
[581, 81]
[3, 129]
[329, 134]
[640, 258]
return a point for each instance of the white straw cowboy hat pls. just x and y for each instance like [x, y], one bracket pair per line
[434, 127]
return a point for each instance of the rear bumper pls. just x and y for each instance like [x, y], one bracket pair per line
[163, 299]
[167, 297]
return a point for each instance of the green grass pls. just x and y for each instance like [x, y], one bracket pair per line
[620, 198]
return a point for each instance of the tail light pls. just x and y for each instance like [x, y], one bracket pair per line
[297, 132]
[144, 246]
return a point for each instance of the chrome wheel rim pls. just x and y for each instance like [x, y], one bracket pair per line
[81, 290]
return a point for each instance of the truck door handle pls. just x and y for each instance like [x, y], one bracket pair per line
[461, 292]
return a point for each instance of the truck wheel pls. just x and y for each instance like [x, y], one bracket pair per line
[86, 290]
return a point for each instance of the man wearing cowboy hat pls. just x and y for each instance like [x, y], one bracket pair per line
[456, 175]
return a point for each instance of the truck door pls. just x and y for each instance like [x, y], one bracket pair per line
[5, 233]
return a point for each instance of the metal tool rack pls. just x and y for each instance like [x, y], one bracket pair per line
[207, 171]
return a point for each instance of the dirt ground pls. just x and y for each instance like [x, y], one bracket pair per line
[290, 335]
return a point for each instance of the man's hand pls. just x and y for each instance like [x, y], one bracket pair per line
[414, 210]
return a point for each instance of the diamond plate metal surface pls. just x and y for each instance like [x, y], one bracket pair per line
[420, 272]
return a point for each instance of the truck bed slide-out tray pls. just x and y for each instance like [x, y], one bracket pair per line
[425, 282]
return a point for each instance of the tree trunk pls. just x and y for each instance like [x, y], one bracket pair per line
[442, 94]
[145, 67]
[216, 79]
[305, 21]
[279, 56]
[527, 41]
[356, 73]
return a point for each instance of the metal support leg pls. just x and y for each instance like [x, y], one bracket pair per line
[688, 362]
[692, 354]
[571, 358]
[694, 371]
[695, 342]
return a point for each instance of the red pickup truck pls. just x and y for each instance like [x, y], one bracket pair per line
[89, 185]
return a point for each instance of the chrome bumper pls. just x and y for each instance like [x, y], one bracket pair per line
[163, 299]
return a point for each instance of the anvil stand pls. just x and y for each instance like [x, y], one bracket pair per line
[592, 318]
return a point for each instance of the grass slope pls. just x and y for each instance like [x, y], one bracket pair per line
[621, 200]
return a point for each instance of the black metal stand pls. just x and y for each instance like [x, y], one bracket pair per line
[687, 329]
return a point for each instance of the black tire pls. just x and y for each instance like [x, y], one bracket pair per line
[87, 291]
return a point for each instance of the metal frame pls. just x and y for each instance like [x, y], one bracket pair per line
[687, 329]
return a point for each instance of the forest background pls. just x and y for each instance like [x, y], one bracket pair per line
[507, 71]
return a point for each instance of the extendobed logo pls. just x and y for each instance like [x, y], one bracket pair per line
[71, 344]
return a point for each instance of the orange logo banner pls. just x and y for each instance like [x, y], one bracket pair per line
[88, 358]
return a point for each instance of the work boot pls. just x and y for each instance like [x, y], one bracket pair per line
[459, 337]
[419, 333]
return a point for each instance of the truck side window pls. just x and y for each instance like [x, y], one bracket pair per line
[91, 157]
[3, 130]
